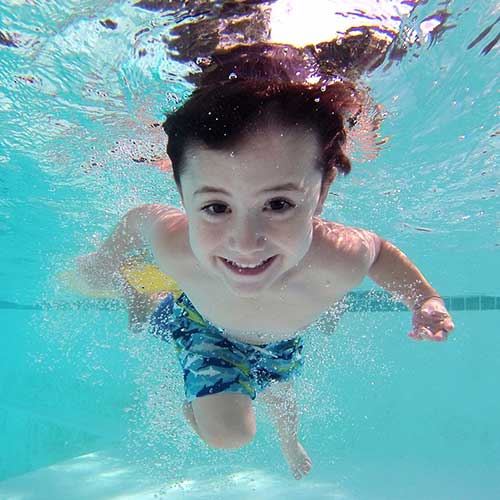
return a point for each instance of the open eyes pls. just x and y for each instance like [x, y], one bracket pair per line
[279, 205]
[215, 209]
[276, 205]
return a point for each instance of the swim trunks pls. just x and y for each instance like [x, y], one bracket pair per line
[213, 363]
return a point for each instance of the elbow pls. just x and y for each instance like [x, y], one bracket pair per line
[377, 247]
[377, 258]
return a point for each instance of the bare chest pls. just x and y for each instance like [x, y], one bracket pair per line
[273, 316]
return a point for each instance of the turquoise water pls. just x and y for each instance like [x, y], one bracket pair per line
[87, 411]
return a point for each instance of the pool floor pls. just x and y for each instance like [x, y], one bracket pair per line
[107, 475]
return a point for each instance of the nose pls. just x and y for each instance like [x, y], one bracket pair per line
[246, 235]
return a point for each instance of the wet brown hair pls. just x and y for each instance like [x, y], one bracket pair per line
[240, 88]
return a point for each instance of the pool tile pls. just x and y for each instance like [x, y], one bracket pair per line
[457, 303]
[472, 303]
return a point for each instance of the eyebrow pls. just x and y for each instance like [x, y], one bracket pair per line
[289, 186]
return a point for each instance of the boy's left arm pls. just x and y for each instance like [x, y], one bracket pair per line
[393, 271]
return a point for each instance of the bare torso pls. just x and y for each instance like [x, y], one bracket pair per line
[337, 261]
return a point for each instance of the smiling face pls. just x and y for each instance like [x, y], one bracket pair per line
[250, 208]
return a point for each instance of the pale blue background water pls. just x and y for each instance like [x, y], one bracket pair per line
[382, 417]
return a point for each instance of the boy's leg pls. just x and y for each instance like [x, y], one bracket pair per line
[140, 307]
[224, 420]
[280, 401]
[187, 410]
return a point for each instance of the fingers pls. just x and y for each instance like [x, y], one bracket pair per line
[440, 336]
[425, 334]
[443, 320]
[448, 325]
[432, 324]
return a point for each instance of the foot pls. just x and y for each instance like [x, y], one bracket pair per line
[298, 460]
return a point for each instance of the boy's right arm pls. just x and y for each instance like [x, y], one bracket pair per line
[100, 269]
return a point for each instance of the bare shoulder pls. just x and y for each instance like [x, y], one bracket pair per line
[344, 244]
[166, 218]
[168, 236]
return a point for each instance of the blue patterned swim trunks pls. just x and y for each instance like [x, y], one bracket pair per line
[213, 363]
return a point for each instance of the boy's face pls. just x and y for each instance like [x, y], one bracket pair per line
[250, 209]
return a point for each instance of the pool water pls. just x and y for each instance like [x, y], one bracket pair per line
[89, 411]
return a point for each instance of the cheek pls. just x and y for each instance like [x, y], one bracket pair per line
[294, 233]
[204, 236]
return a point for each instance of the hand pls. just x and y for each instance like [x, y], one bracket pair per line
[431, 321]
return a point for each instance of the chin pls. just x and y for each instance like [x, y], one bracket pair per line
[246, 290]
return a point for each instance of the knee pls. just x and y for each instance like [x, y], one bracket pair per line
[225, 420]
[227, 436]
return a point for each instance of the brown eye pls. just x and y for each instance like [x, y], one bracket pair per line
[280, 205]
[215, 208]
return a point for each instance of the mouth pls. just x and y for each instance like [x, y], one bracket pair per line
[248, 269]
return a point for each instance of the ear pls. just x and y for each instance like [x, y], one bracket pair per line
[325, 188]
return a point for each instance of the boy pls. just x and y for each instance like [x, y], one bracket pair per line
[253, 161]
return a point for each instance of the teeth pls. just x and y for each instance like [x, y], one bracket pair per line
[245, 266]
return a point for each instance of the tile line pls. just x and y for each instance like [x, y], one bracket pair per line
[372, 301]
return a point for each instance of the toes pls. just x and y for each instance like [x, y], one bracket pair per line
[307, 468]
[299, 462]
[302, 470]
